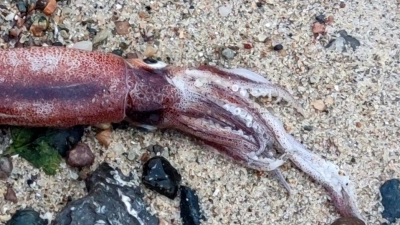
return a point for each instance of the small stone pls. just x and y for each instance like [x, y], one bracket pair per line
[320, 18]
[228, 53]
[26, 216]
[348, 221]
[278, 47]
[190, 208]
[80, 156]
[113, 197]
[101, 36]
[340, 43]
[150, 51]
[10, 17]
[122, 27]
[318, 28]
[329, 101]
[247, 46]
[104, 137]
[342, 5]
[319, 105]
[262, 38]
[145, 157]
[358, 124]
[83, 45]
[131, 156]
[160, 176]
[6, 167]
[314, 79]
[39, 25]
[50, 7]
[21, 7]
[118, 52]
[308, 128]
[10, 195]
[329, 20]
[224, 11]
[390, 192]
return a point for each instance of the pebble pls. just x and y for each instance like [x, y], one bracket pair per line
[122, 27]
[101, 36]
[308, 128]
[261, 38]
[348, 221]
[104, 137]
[228, 53]
[6, 167]
[340, 43]
[160, 176]
[64, 140]
[39, 25]
[50, 7]
[278, 47]
[190, 208]
[113, 198]
[390, 192]
[224, 11]
[313, 79]
[10, 195]
[80, 156]
[83, 45]
[319, 105]
[26, 216]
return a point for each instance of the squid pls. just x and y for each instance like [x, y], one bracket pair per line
[61, 87]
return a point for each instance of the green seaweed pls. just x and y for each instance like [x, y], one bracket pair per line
[35, 145]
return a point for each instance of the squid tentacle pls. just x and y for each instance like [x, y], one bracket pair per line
[229, 92]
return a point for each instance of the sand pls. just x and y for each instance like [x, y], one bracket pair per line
[358, 132]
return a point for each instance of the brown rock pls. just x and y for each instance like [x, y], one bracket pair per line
[318, 28]
[122, 27]
[104, 137]
[319, 105]
[6, 167]
[247, 46]
[80, 156]
[50, 7]
[348, 221]
[10, 195]
[150, 51]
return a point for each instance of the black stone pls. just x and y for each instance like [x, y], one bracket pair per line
[190, 208]
[308, 128]
[111, 195]
[160, 176]
[278, 47]
[118, 52]
[26, 217]
[64, 140]
[390, 192]
[320, 18]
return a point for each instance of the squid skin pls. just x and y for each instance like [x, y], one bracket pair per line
[60, 87]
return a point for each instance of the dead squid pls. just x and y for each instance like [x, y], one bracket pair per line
[59, 87]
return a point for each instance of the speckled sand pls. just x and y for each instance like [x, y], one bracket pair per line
[359, 88]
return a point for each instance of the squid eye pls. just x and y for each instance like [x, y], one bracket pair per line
[150, 61]
[153, 63]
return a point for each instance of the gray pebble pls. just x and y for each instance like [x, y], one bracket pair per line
[101, 36]
[314, 80]
[228, 53]
[341, 43]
